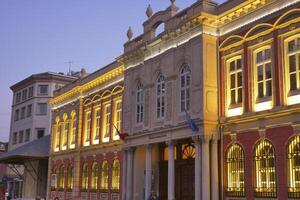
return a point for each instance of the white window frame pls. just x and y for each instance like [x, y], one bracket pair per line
[160, 97]
[139, 103]
[185, 84]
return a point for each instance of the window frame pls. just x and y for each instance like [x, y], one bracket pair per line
[140, 103]
[160, 97]
[293, 190]
[186, 88]
[258, 170]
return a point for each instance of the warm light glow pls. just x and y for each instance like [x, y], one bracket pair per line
[235, 112]
[295, 99]
[263, 106]
[235, 167]
[294, 167]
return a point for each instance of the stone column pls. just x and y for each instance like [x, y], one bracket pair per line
[129, 175]
[197, 168]
[205, 168]
[215, 170]
[148, 187]
[124, 170]
[171, 171]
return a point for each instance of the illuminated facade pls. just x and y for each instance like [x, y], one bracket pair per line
[234, 68]
[259, 101]
[85, 157]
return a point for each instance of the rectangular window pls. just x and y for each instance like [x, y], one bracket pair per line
[97, 125]
[87, 128]
[18, 97]
[263, 73]
[16, 116]
[27, 135]
[235, 83]
[15, 136]
[118, 119]
[106, 122]
[21, 135]
[73, 132]
[29, 110]
[140, 104]
[23, 110]
[294, 64]
[30, 92]
[43, 90]
[24, 94]
[40, 133]
[42, 109]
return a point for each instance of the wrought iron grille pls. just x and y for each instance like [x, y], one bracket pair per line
[294, 167]
[235, 167]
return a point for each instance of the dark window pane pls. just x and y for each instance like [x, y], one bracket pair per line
[232, 81]
[268, 71]
[293, 82]
[292, 46]
[260, 90]
[240, 95]
[182, 81]
[269, 88]
[239, 63]
[188, 79]
[267, 54]
[260, 73]
[259, 57]
[232, 66]
[232, 96]
[240, 79]
[292, 62]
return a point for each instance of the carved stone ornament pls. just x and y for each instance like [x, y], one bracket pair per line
[149, 11]
[129, 33]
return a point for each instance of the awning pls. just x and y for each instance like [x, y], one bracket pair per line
[35, 150]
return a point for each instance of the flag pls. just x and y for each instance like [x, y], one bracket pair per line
[121, 135]
[191, 122]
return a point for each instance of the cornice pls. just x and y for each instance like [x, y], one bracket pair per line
[79, 90]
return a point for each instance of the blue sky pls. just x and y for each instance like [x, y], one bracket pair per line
[43, 35]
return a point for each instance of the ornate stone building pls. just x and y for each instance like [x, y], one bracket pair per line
[231, 70]
[85, 154]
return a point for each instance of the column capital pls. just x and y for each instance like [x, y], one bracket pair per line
[170, 143]
[148, 146]
[196, 139]
[205, 139]
[129, 149]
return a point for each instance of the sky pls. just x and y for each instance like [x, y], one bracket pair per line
[44, 35]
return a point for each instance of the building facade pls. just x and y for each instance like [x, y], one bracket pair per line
[30, 120]
[210, 105]
[259, 102]
[248, 138]
[86, 151]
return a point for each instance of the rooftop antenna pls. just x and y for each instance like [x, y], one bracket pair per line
[70, 63]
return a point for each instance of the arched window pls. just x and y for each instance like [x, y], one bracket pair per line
[160, 95]
[185, 82]
[72, 135]
[70, 178]
[294, 167]
[104, 176]
[61, 179]
[56, 132]
[94, 183]
[265, 171]
[87, 127]
[65, 132]
[139, 103]
[235, 167]
[54, 175]
[85, 177]
[115, 185]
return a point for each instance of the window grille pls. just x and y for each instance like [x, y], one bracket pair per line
[265, 170]
[293, 156]
[235, 168]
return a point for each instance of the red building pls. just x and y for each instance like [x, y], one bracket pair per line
[259, 102]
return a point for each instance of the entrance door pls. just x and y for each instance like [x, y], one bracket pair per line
[184, 173]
